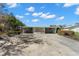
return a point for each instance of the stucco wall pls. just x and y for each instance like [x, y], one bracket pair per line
[75, 29]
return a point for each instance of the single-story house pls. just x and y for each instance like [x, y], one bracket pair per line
[75, 29]
[38, 29]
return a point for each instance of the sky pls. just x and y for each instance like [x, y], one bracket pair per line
[45, 14]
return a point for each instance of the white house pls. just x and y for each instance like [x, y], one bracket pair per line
[75, 29]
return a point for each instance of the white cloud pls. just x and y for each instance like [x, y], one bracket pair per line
[44, 15]
[35, 20]
[48, 16]
[19, 16]
[70, 4]
[30, 9]
[60, 18]
[77, 11]
[12, 5]
[37, 14]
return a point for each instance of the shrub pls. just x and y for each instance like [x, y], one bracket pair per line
[12, 33]
[76, 36]
[66, 33]
[18, 32]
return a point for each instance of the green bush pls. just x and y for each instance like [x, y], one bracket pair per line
[18, 32]
[66, 33]
[76, 36]
[12, 33]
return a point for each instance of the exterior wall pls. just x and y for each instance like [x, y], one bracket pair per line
[45, 30]
[50, 30]
[75, 29]
[41, 30]
[28, 30]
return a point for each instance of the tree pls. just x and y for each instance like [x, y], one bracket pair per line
[14, 22]
[8, 19]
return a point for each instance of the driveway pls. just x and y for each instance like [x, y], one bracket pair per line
[54, 45]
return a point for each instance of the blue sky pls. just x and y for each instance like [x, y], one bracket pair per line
[45, 14]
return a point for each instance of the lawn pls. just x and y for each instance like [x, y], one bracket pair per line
[76, 36]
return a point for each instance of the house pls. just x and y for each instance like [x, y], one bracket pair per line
[39, 29]
[74, 28]
[50, 30]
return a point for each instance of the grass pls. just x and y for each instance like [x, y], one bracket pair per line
[76, 36]
[1, 33]
[77, 33]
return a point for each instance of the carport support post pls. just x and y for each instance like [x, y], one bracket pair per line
[55, 29]
[33, 30]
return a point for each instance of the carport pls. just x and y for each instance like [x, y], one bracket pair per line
[50, 30]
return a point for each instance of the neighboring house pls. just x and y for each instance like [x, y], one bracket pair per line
[50, 30]
[66, 29]
[75, 29]
[39, 29]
